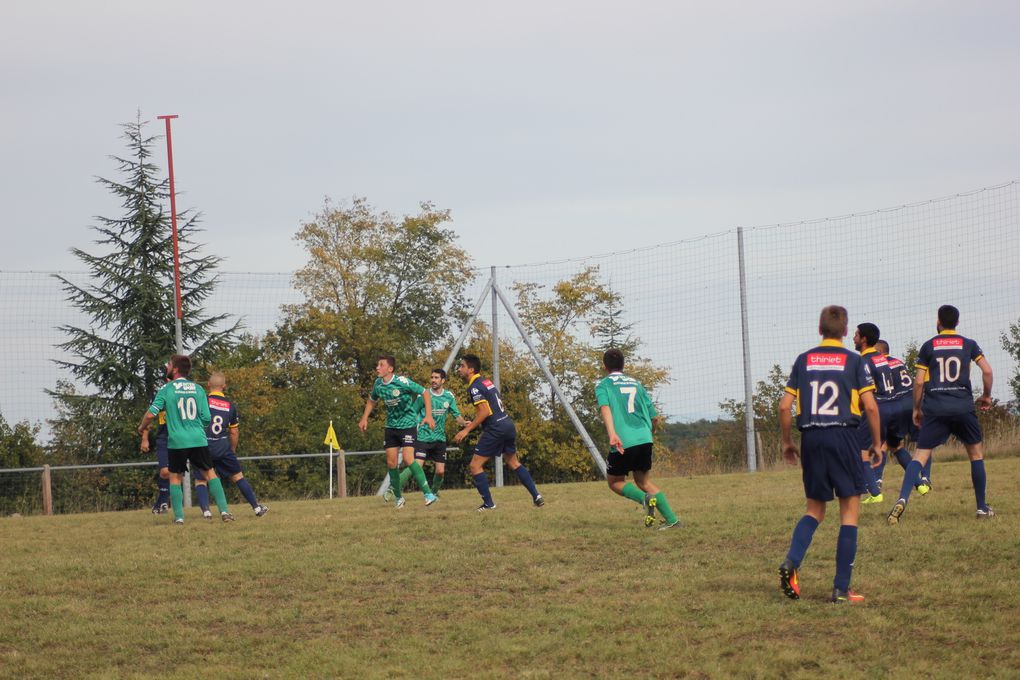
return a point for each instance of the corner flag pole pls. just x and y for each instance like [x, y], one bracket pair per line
[178, 308]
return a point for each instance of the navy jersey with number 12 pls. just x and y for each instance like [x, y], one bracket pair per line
[827, 383]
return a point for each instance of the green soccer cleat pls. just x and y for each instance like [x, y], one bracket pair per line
[650, 504]
[872, 499]
[924, 487]
[897, 510]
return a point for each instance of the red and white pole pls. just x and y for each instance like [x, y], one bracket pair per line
[179, 308]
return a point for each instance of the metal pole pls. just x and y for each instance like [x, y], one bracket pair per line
[600, 463]
[752, 462]
[178, 307]
[495, 364]
[467, 327]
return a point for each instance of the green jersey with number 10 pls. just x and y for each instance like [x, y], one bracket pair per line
[187, 413]
[631, 407]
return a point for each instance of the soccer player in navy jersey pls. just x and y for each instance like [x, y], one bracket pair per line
[162, 503]
[223, 433]
[944, 405]
[865, 338]
[499, 435]
[900, 424]
[829, 385]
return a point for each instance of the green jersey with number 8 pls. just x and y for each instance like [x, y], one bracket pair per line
[631, 407]
[187, 413]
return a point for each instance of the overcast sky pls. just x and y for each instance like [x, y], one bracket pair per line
[548, 128]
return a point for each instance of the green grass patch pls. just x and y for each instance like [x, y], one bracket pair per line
[579, 588]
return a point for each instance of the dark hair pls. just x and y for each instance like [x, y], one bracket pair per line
[869, 332]
[388, 358]
[472, 361]
[181, 362]
[882, 342]
[440, 371]
[613, 359]
[832, 322]
[949, 316]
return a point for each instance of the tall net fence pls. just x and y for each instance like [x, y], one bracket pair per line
[892, 267]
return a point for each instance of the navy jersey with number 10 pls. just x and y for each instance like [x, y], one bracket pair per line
[827, 383]
[947, 358]
[482, 389]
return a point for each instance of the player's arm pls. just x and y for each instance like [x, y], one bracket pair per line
[143, 429]
[874, 424]
[369, 405]
[455, 411]
[482, 411]
[427, 397]
[985, 400]
[235, 435]
[790, 451]
[919, 377]
[607, 419]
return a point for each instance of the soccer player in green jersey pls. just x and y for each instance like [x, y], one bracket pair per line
[399, 394]
[629, 416]
[187, 415]
[431, 442]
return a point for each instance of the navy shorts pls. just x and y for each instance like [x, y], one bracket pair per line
[830, 460]
[162, 454]
[399, 437]
[198, 455]
[227, 465]
[901, 423]
[885, 409]
[497, 439]
[935, 430]
[637, 458]
[434, 451]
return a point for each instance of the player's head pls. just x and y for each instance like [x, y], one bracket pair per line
[179, 366]
[613, 360]
[438, 378]
[385, 364]
[217, 382]
[949, 316]
[866, 336]
[469, 365]
[832, 323]
[882, 346]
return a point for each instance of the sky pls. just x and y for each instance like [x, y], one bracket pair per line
[549, 129]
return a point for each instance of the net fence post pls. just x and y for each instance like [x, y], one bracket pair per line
[749, 439]
[47, 490]
[341, 473]
[495, 363]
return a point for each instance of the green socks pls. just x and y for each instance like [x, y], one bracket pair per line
[395, 482]
[662, 505]
[177, 500]
[216, 489]
[437, 483]
[405, 475]
[419, 477]
[635, 494]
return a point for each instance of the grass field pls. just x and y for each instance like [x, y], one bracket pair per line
[355, 589]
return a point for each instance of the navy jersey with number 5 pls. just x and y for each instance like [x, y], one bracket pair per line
[903, 383]
[482, 389]
[827, 383]
[947, 358]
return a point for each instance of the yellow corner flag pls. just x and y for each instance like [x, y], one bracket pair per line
[331, 437]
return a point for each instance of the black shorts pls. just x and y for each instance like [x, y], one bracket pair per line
[198, 455]
[637, 458]
[226, 466]
[434, 451]
[399, 437]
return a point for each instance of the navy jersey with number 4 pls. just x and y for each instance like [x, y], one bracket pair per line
[482, 389]
[827, 383]
[903, 383]
[947, 358]
[878, 366]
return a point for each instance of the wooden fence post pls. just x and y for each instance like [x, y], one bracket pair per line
[47, 491]
[341, 473]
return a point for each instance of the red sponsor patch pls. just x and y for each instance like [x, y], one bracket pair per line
[894, 363]
[821, 361]
[947, 343]
[488, 383]
[219, 404]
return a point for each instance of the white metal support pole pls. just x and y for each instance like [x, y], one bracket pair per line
[495, 364]
[749, 440]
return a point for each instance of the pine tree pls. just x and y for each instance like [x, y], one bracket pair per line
[119, 358]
